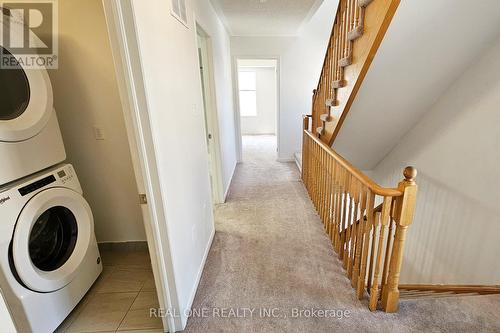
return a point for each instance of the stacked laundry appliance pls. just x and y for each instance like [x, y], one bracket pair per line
[48, 252]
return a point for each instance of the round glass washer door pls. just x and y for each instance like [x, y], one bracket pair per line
[26, 100]
[51, 238]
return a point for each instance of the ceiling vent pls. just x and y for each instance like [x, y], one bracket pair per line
[179, 11]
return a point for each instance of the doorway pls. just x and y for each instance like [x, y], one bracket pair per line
[108, 147]
[210, 113]
[257, 91]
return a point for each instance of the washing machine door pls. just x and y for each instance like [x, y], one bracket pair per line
[51, 238]
[26, 100]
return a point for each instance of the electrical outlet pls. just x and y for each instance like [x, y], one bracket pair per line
[99, 133]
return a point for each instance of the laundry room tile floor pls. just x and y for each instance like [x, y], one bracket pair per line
[120, 299]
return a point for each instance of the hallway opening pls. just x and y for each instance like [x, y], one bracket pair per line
[257, 90]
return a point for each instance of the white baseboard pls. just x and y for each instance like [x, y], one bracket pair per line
[198, 277]
[226, 192]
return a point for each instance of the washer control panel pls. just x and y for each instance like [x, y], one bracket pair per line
[65, 175]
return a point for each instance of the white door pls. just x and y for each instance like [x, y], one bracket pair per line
[51, 237]
[211, 128]
[26, 100]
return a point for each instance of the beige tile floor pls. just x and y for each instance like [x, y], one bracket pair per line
[120, 299]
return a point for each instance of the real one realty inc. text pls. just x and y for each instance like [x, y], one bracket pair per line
[249, 312]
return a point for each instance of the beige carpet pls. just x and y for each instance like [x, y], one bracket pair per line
[270, 252]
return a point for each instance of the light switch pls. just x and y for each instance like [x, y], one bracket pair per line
[98, 133]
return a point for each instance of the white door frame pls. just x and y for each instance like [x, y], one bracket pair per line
[212, 121]
[128, 67]
[236, 94]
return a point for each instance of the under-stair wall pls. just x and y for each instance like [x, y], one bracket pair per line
[455, 237]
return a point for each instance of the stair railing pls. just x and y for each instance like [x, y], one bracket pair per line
[348, 26]
[369, 239]
[357, 32]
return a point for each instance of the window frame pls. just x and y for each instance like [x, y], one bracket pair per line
[247, 70]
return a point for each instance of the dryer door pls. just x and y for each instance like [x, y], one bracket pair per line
[51, 238]
[26, 100]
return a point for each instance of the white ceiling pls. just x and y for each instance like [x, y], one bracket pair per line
[264, 17]
[427, 46]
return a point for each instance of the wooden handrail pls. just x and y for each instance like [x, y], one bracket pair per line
[365, 180]
[371, 248]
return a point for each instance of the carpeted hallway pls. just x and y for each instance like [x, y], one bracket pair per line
[270, 253]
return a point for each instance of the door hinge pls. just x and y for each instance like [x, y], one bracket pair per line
[143, 199]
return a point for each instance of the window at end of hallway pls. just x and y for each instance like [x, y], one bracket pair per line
[247, 81]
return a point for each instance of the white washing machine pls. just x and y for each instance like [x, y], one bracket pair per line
[30, 138]
[48, 252]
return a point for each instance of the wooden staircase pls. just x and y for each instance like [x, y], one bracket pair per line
[367, 224]
[357, 32]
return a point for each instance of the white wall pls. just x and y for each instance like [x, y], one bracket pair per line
[421, 55]
[86, 95]
[265, 120]
[173, 89]
[301, 59]
[5, 317]
[455, 236]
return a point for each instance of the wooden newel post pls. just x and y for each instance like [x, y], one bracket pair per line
[305, 122]
[405, 207]
[305, 150]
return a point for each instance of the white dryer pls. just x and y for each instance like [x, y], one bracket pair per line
[30, 138]
[48, 252]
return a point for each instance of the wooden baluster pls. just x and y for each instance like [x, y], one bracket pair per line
[405, 207]
[354, 228]
[352, 6]
[330, 66]
[314, 166]
[339, 210]
[330, 195]
[339, 50]
[388, 248]
[344, 215]
[350, 203]
[348, 42]
[338, 207]
[372, 252]
[346, 28]
[359, 239]
[335, 197]
[311, 168]
[325, 188]
[356, 15]
[337, 26]
[341, 42]
[325, 193]
[331, 181]
[384, 219]
[306, 160]
[315, 173]
[330, 201]
[334, 202]
[321, 182]
[366, 236]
